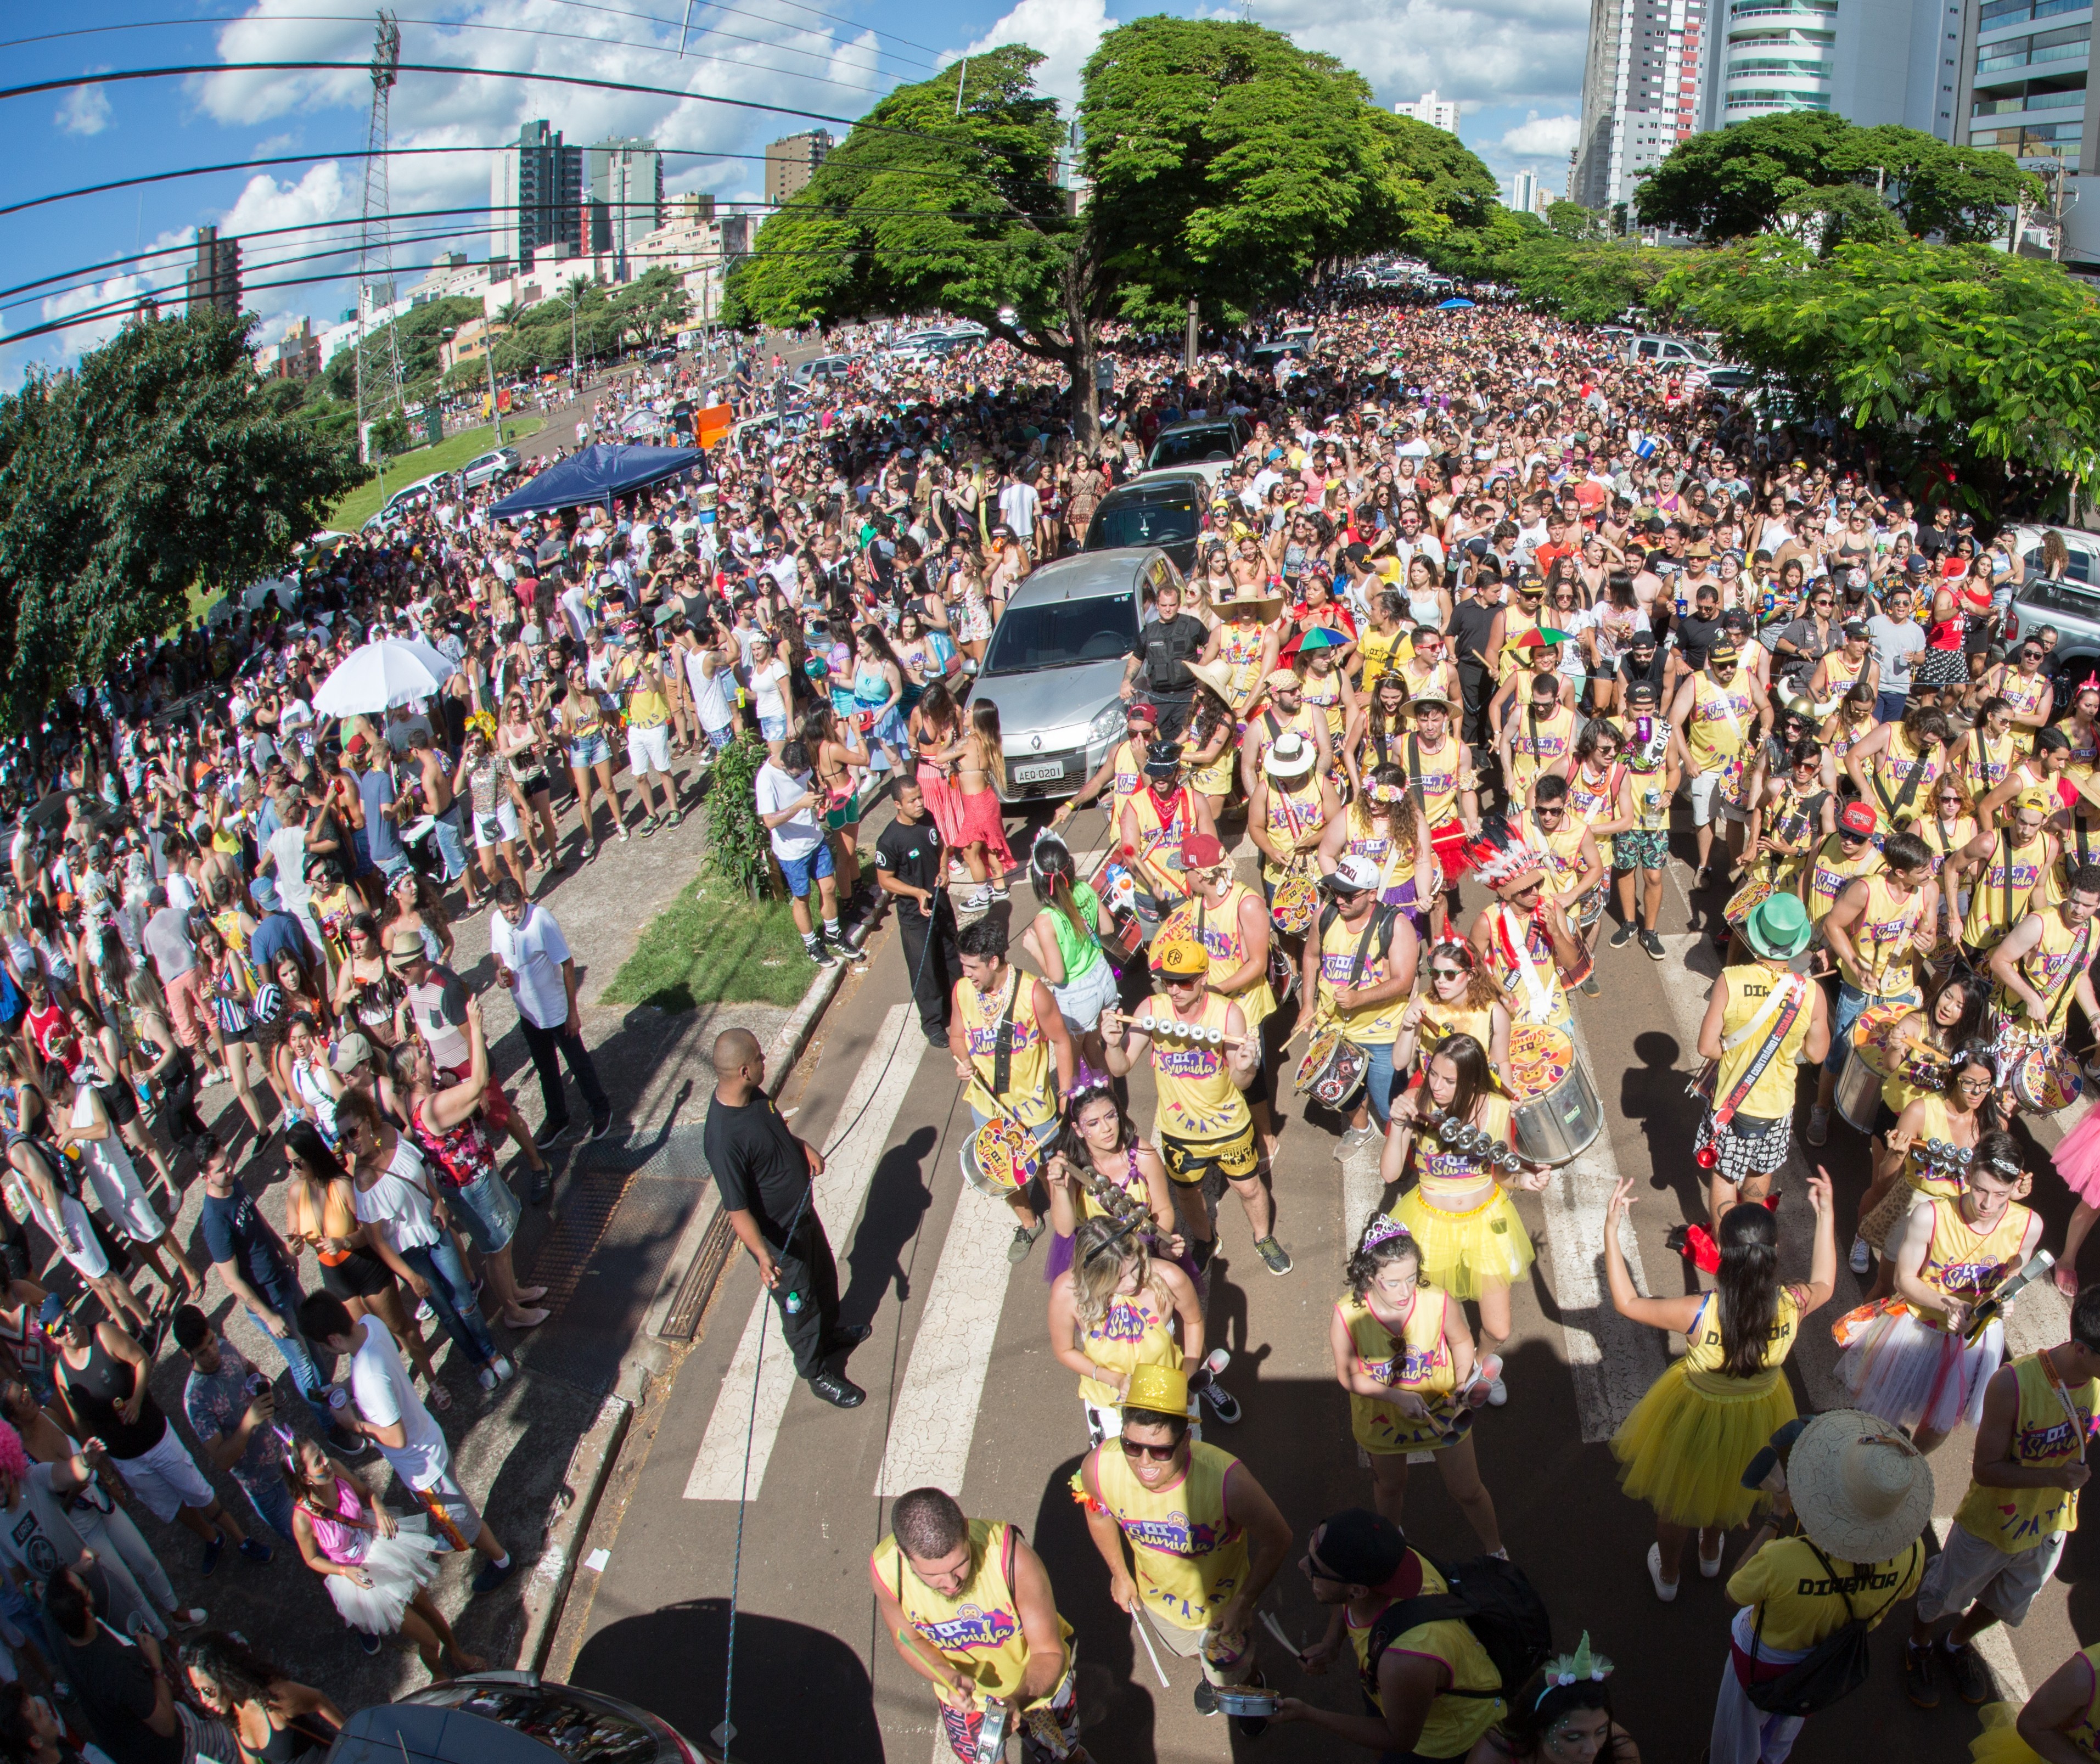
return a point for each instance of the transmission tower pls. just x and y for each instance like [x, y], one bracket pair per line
[378, 370]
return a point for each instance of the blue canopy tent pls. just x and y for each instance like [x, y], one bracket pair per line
[597, 475]
[1453, 305]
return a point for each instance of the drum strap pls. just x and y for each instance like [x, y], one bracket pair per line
[1415, 778]
[1904, 796]
[1787, 999]
[1002, 1042]
[2005, 876]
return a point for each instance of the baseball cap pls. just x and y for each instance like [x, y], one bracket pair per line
[350, 1053]
[1140, 713]
[1354, 875]
[263, 892]
[1183, 958]
[1641, 689]
[1858, 817]
[50, 1310]
[1202, 851]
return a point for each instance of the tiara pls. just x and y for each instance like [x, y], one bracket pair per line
[1564, 1670]
[1383, 1229]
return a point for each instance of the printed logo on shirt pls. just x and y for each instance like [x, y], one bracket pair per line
[971, 1627]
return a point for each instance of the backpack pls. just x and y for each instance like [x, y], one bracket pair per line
[1494, 1599]
[65, 1172]
[1383, 919]
[1835, 1667]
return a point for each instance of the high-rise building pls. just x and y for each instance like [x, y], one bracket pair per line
[1438, 112]
[213, 278]
[1869, 61]
[791, 162]
[625, 178]
[1526, 196]
[536, 192]
[1640, 91]
[2025, 88]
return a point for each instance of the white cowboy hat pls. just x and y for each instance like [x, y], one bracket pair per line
[1862, 1491]
[1292, 755]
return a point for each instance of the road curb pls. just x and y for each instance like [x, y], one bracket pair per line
[706, 1237]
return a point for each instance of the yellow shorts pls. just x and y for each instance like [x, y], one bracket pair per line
[1190, 1161]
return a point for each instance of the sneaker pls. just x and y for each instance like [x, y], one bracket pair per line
[673, 817]
[1274, 1257]
[1920, 1674]
[1224, 1404]
[1497, 1394]
[1665, 1590]
[976, 901]
[1652, 944]
[590, 850]
[1620, 938]
[486, 1377]
[505, 1370]
[257, 1552]
[1861, 1259]
[1589, 986]
[548, 1141]
[649, 825]
[1819, 1131]
[1353, 1139]
[621, 835]
[424, 1313]
[598, 1129]
[192, 1618]
[1966, 1671]
[369, 1642]
[213, 1551]
[1023, 1241]
[491, 1576]
[820, 955]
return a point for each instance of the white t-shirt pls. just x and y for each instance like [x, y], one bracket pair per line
[398, 1202]
[775, 789]
[765, 682]
[379, 1385]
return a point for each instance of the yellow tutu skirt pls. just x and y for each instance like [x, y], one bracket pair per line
[1685, 1449]
[1467, 1254]
[1999, 1742]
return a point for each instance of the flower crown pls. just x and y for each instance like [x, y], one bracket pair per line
[1564, 1670]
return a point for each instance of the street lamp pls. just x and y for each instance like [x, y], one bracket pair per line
[489, 354]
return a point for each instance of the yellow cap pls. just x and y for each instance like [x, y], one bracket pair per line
[2035, 797]
[1182, 957]
[1164, 1390]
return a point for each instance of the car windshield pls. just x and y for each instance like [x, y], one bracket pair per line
[1059, 633]
[1145, 523]
[1191, 445]
[585, 1733]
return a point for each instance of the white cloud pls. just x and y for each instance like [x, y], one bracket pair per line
[1538, 137]
[85, 111]
[1064, 31]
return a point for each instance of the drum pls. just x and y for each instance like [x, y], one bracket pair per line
[1295, 904]
[999, 1158]
[1746, 899]
[1333, 1067]
[1555, 1114]
[2041, 1077]
[1867, 1065]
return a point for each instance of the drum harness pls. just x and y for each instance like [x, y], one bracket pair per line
[1380, 924]
[1786, 1000]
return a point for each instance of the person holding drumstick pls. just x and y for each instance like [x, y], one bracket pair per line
[1004, 1031]
[1461, 998]
[1577, 873]
[1359, 968]
[1440, 770]
[1226, 916]
[2045, 965]
[1100, 1151]
[1204, 1129]
[1474, 1245]
[1524, 938]
[1116, 1308]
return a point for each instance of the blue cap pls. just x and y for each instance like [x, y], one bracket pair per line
[50, 1310]
[263, 892]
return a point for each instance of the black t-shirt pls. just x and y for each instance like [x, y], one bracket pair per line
[1695, 637]
[116, 1687]
[913, 854]
[1630, 670]
[1167, 645]
[1471, 623]
[759, 1166]
[235, 1230]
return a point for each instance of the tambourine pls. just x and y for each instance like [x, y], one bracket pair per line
[1167, 1029]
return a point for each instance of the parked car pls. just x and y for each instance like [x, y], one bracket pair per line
[1207, 445]
[1163, 508]
[2072, 604]
[487, 468]
[511, 1717]
[822, 367]
[1054, 666]
[1679, 352]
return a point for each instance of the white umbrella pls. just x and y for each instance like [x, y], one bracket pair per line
[392, 671]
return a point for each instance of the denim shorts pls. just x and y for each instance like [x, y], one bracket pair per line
[801, 871]
[487, 1211]
[593, 750]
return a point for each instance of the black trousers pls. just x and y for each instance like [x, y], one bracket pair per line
[1477, 688]
[542, 1044]
[931, 958]
[807, 1294]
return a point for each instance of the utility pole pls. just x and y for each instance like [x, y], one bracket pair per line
[1189, 345]
[375, 256]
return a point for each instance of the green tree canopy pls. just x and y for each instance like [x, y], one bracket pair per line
[418, 333]
[1735, 183]
[157, 465]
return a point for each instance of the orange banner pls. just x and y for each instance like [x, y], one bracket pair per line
[711, 422]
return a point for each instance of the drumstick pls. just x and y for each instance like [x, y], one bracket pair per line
[1151, 1649]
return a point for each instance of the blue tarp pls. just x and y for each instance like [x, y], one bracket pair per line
[597, 475]
[1453, 305]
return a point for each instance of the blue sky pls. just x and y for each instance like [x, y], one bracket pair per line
[1514, 66]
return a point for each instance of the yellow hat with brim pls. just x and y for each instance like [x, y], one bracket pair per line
[1163, 1390]
[2035, 797]
[1180, 958]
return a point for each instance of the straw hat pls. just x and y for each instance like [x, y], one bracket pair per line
[1216, 676]
[1248, 594]
[1862, 1491]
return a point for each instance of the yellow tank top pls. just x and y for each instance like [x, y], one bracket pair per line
[1441, 1021]
[1892, 770]
[1454, 1724]
[1841, 674]
[1719, 724]
[1516, 623]
[1704, 1355]
[1134, 1331]
[978, 1630]
[1197, 1099]
[1369, 1025]
[1030, 1095]
[1239, 648]
[1375, 648]
[1831, 870]
[2022, 691]
[1537, 745]
[1418, 1359]
[1292, 814]
[1444, 1175]
[1914, 1068]
[1509, 932]
[1591, 800]
[1128, 775]
[1439, 776]
[1218, 930]
[2054, 1425]
[1749, 987]
[2084, 747]
[1921, 1176]
[1267, 725]
[1882, 936]
[1159, 840]
[2078, 844]
[1563, 850]
[1981, 762]
[2050, 968]
[2003, 895]
[1960, 1263]
[1323, 693]
[1190, 1555]
[1943, 839]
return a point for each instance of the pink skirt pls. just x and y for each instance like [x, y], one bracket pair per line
[981, 824]
[2078, 1159]
[944, 802]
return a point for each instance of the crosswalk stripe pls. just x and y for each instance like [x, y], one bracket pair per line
[869, 1112]
[936, 1414]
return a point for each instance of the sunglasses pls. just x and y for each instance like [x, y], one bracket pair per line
[1159, 1454]
[1846, 836]
[1447, 973]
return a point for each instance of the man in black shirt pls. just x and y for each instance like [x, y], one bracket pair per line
[1472, 622]
[123, 1686]
[1644, 661]
[1167, 644]
[765, 1177]
[1700, 629]
[910, 866]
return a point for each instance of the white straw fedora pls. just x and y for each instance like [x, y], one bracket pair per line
[1862, 1489]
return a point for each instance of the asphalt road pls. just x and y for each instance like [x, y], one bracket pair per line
[964, 1391]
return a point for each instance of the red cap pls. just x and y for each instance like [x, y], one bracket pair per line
[1202, 851]
[1858, 816]
[1141, 713]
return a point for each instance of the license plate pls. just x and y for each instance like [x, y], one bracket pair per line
[1039, 774]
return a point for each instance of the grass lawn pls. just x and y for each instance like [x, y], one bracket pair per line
[716, 946]
[449, 454]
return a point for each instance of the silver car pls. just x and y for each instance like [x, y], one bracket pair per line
[488, 467]
[1055, 665]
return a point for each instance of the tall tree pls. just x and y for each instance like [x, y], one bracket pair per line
[156, 466]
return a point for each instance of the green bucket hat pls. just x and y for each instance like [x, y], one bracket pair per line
[1778, 928]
